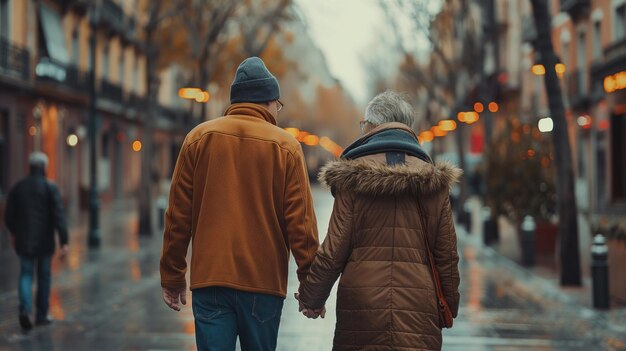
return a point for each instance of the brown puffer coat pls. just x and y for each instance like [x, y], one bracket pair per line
[386, 298]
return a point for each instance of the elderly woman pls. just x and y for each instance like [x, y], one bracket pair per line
[383, 183]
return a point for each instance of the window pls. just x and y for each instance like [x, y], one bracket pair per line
[565, 54]
[136, 76]
[4, 152]
[620, 22]
[89, 63]
[105, 63]
[597, 41]
[618, 166]
[582, 62]
[105, 142]
[4, 19]
[120, 69]
[581, 160]
[75, 47]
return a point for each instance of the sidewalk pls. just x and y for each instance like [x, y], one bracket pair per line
[120, 249]
[542, 280]
[111, 300]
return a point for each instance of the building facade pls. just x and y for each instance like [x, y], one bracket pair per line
[589, 38]
[45, 68]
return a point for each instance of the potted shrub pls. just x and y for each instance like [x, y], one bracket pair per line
[520, 179]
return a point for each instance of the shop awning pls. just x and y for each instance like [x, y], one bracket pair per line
[53, 35]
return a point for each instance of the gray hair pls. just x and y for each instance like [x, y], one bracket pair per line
[389, 107]
[38, 159]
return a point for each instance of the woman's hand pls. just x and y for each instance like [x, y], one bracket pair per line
[309, 312]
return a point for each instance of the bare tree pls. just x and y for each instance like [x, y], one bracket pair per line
[453, 69]
[206, 26]
[567, 209]
[260, 22]
[159, 12]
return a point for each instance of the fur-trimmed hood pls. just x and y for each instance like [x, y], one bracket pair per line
[366, 176]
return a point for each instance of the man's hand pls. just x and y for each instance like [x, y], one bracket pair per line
[63, 252]
[309, 312]
[170, 296]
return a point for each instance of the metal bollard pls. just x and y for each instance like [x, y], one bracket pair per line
[600, 272]
[467, 214]
[161, 207]
[490, 227]
[528, 241]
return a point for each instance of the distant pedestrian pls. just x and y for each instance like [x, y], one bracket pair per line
[33, 212]
[240, 193]
[391, 204]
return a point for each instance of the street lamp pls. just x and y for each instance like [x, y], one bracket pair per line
[196, 94]
[93, 238]
[546, 125]
[493, 107]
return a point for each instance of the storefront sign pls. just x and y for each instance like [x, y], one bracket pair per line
[615, 82]
[50, 69]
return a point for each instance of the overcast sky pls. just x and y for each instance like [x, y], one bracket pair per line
[349, 30]
[344, 29]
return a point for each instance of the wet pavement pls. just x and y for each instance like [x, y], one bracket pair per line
[111, 300]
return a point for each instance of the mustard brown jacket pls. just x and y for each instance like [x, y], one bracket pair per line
[386, 298]
[240, 194]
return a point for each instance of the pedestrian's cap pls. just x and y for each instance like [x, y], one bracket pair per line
[254, 83]
[38, 158]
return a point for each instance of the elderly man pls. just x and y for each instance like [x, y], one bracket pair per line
[33, 212]
[391, 207]
[240, 193]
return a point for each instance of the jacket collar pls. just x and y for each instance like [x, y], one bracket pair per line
[387, 138]
[251, 110]
[365, 176]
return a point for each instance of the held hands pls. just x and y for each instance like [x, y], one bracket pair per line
[309, 312]
[170, 296]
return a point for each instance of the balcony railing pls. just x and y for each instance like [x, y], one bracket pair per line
[171, 114]
[111, 91]
[69, 76]
[137, 102]
[14, 61]
[578, 88]
[77, 79]
[77, 5]
[576, 8]
[615, 51]
[113, 15]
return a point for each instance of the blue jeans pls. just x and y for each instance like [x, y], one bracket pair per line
[25, 286]
[221, 314]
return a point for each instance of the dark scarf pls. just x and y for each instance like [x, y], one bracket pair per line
[394, 142]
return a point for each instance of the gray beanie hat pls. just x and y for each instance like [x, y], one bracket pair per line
[254, 83]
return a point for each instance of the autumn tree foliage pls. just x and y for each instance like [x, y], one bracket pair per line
[158, 16]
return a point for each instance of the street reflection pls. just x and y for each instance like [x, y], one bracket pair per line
[113, 298]
[476, 281]
[56, 305]
[189, 327]
[135, 270]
